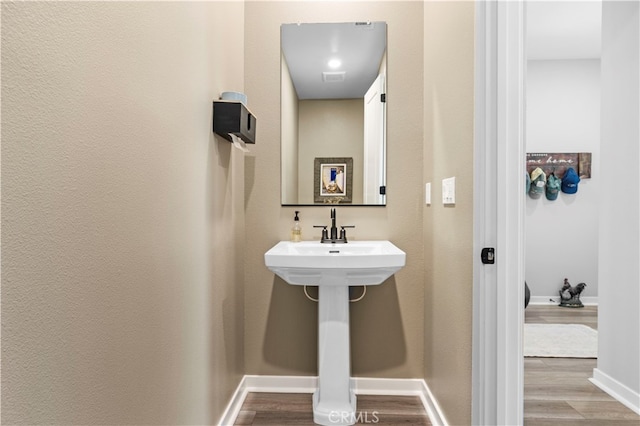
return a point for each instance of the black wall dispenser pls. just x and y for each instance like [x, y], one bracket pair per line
[233, 117]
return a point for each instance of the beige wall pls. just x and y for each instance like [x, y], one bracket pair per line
[330, 128]
[280, 323]
[449, 44]
[123, 216]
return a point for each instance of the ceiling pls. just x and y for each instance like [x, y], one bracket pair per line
[563, 29]
[308, 48]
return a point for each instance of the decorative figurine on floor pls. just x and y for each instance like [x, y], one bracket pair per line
[570, 296]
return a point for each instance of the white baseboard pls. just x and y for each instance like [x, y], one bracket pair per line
[308, 384]
[233, 407]
[617, 390]
[555, 300]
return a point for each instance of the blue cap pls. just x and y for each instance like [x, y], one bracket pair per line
[570, 181]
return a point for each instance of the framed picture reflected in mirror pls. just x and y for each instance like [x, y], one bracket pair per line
[333, 180]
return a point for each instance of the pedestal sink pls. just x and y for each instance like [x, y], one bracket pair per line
[334, 267]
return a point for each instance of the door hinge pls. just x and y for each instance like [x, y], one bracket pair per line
[488, 255]
[383, 190]
[383, 97]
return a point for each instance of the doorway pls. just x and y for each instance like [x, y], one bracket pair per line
[497, 345]
[562, 92]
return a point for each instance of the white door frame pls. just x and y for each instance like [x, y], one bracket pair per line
[498, 314]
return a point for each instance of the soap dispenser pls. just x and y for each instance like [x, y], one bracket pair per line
[296, 231]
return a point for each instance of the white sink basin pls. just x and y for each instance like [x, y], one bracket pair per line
[353, 263]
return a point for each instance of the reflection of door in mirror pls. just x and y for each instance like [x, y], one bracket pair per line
[374, 147]
[326, 92]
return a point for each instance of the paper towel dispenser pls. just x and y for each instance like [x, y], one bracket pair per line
[234, 117]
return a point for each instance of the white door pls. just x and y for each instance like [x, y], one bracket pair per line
[374, 142]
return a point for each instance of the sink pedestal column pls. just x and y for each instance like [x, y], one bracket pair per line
[334, 403]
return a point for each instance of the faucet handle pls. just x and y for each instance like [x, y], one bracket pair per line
[343, 232]
[325, 234]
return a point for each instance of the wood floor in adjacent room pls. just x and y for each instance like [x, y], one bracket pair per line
[297, 409]
[557, 391]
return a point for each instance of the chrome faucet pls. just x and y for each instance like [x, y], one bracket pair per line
[332, 235]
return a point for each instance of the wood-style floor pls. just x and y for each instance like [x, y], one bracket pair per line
[557, 391]
[297, 409]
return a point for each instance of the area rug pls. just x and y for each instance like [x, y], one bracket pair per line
[560, 341]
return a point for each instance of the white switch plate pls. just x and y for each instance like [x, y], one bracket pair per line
[427, 193]
[449, 190]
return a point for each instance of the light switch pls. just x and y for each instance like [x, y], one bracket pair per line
[427, 193]
[449, 190]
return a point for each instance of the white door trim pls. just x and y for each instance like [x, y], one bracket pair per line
[498, 377]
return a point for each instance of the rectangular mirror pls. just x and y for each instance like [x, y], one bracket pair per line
[332, 99]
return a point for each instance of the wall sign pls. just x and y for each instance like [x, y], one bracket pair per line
[558, 163]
